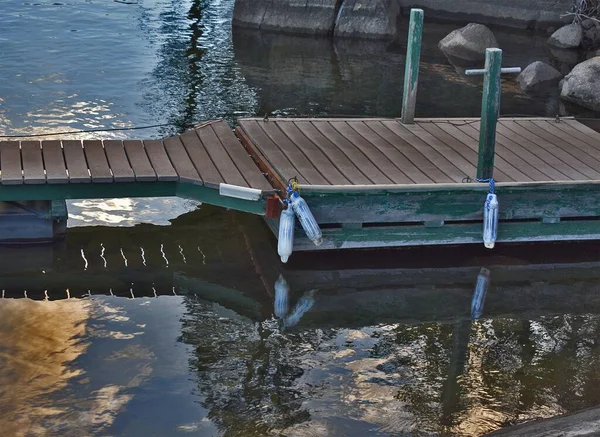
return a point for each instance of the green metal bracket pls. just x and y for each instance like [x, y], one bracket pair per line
[411, 70]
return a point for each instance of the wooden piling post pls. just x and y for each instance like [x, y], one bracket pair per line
[490, 109]
[411, 70]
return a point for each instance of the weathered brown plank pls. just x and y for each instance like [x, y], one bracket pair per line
[140, 163]
[383, 141]
[586, 156]
[181, 161]
[97, 163]
[584, 129]
[277, 159]
[54, 161]
[33, 164]
[538, 160]
[462, 149]
[375, 155]
[160, 161]
[442, 150]
[240, 157]
[76, 163]
[313, 153]
[10, 163]
[117, 159]
[340, 160]
[530, 172]
[219, 156]
[200, 159]
[565, 162]
[579, 131]
[300, 161]
[416, 151]
[552, 128]
[369, 162]
[507, 168]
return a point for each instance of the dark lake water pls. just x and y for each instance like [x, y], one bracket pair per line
[160, 317]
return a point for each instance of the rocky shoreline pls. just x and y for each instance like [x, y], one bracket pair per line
[380, 19]
[574, 53]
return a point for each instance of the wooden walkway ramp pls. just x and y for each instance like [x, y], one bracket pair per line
[377, 182]
[195, 164]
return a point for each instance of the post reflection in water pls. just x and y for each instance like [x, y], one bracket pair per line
[481, 288]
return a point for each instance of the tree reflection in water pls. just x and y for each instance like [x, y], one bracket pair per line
[460, 377]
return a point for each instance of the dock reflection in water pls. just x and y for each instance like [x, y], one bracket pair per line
[378, 350]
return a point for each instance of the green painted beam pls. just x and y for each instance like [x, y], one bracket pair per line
[460, 203]
[128, 189]
[450, 234]
[490, 110]
[411, 69]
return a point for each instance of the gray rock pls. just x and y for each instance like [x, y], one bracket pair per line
[590, 39]
[368, 19]
[582, 85]
[538, 77]
[315, 17]
[567, 37]
[468, 43]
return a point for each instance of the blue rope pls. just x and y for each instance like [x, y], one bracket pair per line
[492, 184]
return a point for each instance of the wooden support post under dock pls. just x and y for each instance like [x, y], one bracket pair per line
[411, 70]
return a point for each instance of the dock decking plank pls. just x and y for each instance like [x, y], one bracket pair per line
[451, 127]
[591, 133]
[33, 163]
[97, 162]
[512, 143]
[313, 152]
[400, 158]
[219, 156]
[530, 173]
[578, 131]
[339, 159]
[10, 163]
[376, 156]
[566, 163]
[420, 153]
[369, 164]
[54, 161]
[76, 163]
[117, 159]
[276, 158]
[160, 161]
[201, 160]
[295, 155]
[462, 149]
[590, 149]
[140, 163]
[181, 161]
[548, 136]
[447, 153]
[240, 157]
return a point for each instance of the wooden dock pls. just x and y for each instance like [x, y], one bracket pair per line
[379, 182]
[196, 164]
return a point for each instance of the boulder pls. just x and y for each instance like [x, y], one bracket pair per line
[567, 37]
[590, 38]
[468, 43]
[538, 77]
[314, 17]
[582, 85]
[367, 19]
